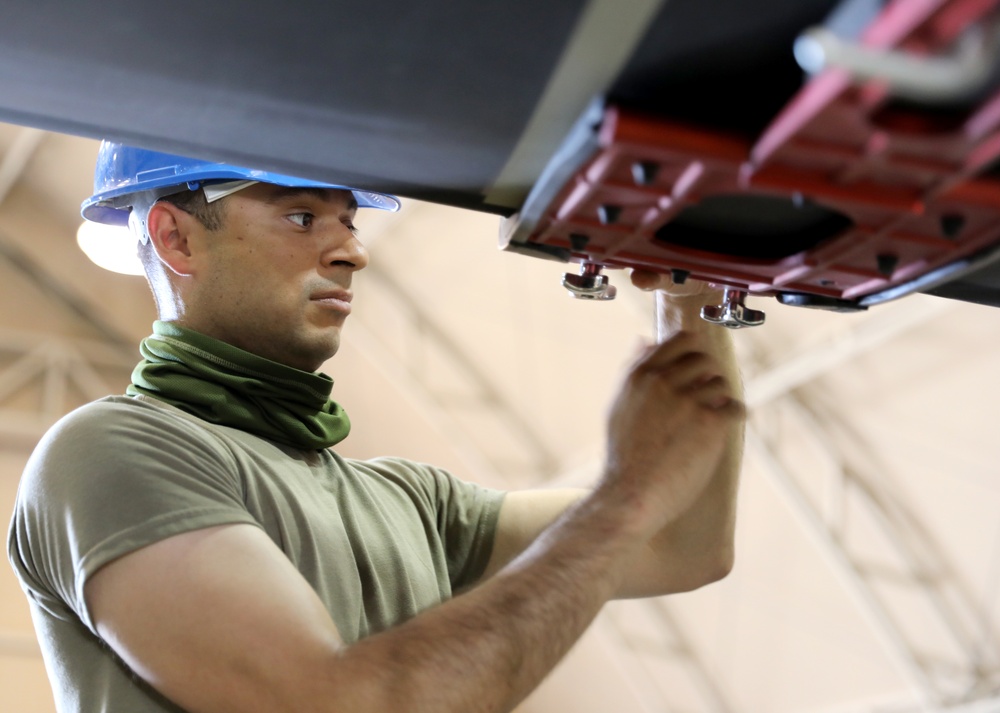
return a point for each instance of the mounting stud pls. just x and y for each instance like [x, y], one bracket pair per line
[590, 284]
[733, 312]
[578, 241]
[644, 172]
[609, 214]
[952, 224]
[886, 264]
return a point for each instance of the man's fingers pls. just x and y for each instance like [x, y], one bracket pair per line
[715, 392]
[680, 364]
[649, 280]
[669, 350]
[690, 369]
[643, 348]
[682, 359]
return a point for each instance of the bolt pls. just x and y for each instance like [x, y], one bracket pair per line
[887, 264]
[609, 214]
[644, 172]
[952, 224]
[578, 241]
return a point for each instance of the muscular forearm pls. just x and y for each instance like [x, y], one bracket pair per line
[494, 644]
[485, 650]
[699, 543]
[691, 551]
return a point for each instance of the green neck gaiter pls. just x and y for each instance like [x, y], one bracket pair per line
[222, 384]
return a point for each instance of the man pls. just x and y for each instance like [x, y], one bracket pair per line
[197, 545]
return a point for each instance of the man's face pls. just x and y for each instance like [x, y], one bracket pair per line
[275, 279]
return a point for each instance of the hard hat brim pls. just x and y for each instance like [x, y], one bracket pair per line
[123, 171]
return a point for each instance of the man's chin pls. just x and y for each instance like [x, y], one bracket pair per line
[318, 351]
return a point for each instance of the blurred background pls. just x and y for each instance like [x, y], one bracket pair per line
[868, 561]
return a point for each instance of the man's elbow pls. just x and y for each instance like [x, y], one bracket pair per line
[713, 569]
[722, 566]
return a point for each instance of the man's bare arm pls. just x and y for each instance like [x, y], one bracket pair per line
[700, 544]
[698, 547]
[219, 620]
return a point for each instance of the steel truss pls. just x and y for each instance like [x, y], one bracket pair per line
[17, 158]
[912, 597]
[934, 631]
[670, 675]
[43, 377]
[498, 442]
[916, 603]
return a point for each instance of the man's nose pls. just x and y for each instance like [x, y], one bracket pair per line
[348, 251]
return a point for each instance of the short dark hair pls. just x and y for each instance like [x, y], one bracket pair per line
[208, 214]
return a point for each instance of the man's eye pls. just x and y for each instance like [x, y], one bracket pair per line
[352, 228]
[303, 220]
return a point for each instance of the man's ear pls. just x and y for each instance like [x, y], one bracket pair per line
[169, 229]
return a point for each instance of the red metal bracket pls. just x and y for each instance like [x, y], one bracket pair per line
[908, 190]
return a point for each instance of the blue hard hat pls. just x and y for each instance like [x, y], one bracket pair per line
[123, 171]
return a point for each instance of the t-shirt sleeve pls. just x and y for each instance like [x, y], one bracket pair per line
[465, 515]
[108, 479]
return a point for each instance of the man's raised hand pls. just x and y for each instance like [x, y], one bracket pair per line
[667, 428]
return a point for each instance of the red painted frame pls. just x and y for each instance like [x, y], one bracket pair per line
[898, 175]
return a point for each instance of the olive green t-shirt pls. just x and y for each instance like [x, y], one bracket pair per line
[378, 540]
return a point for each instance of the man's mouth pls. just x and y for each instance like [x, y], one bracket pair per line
[339, 300]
